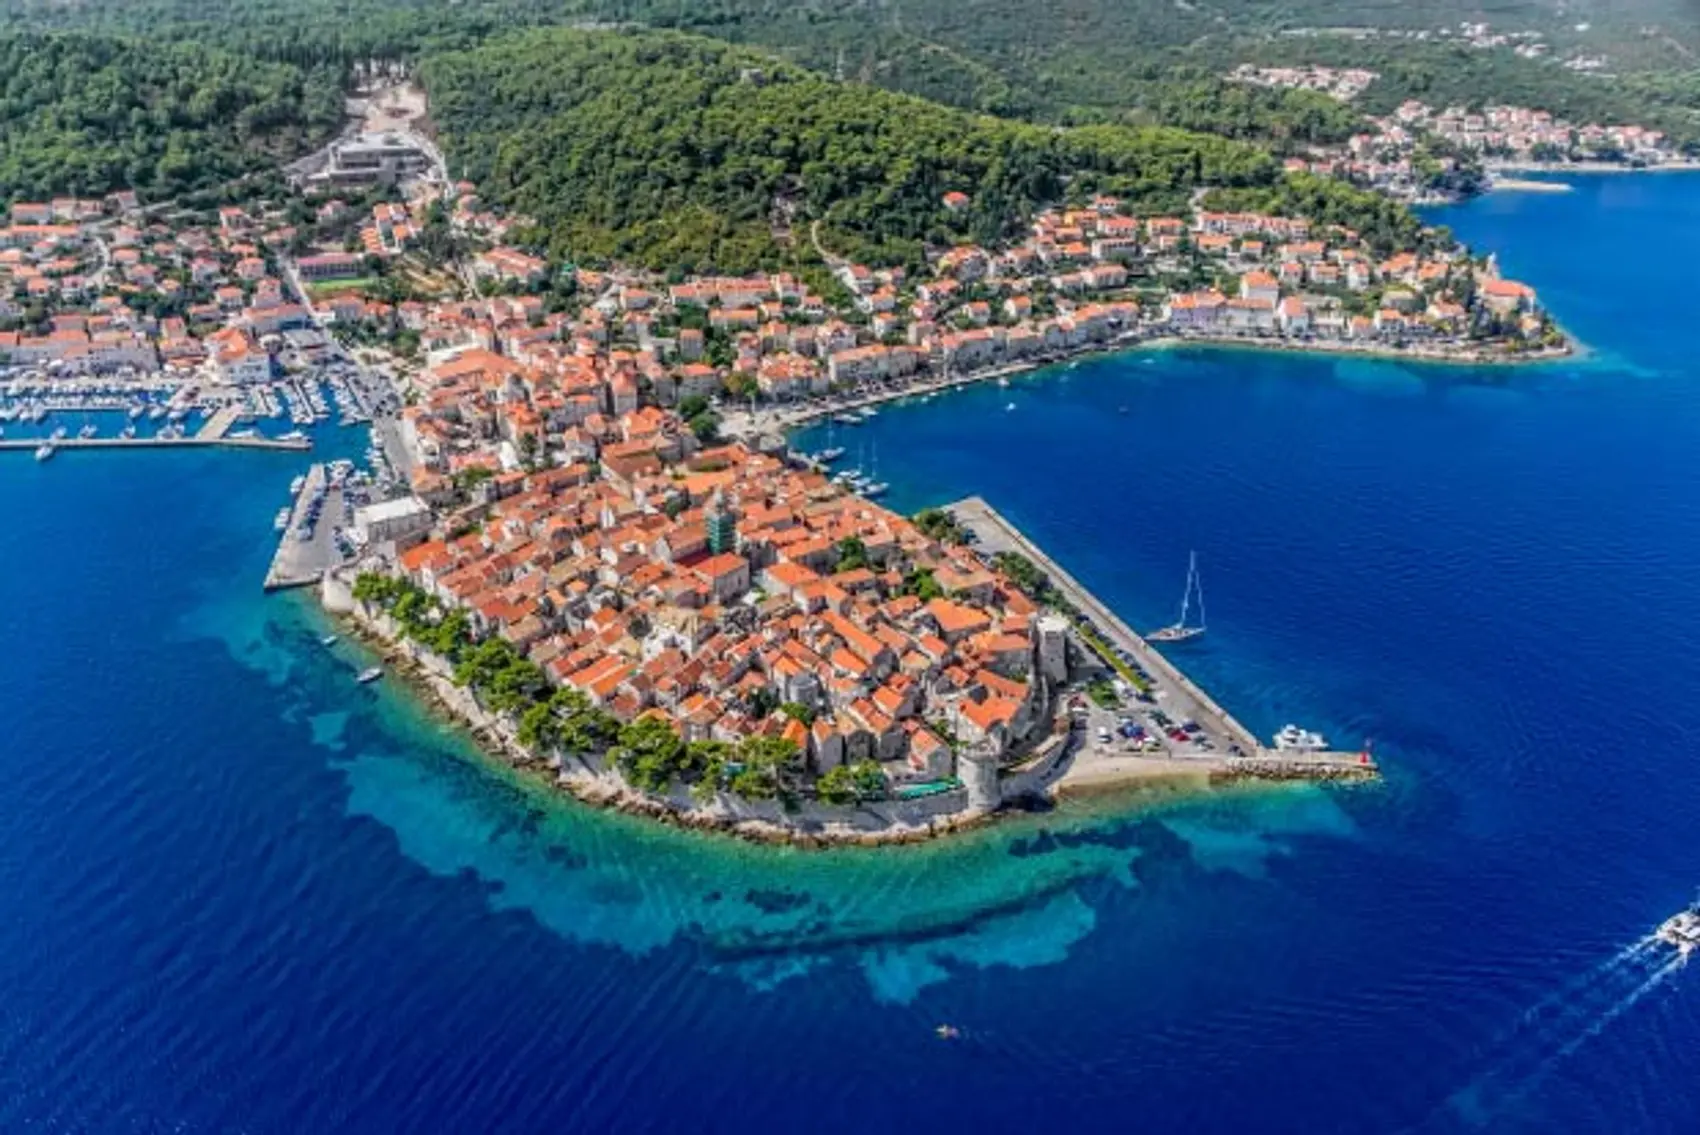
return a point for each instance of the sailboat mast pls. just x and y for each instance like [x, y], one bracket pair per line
[1186, 595]
[1198, 582]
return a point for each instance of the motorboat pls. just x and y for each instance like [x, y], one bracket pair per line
[370, 674]
[44, 451]
[1682, 930]
[280, 522]
[1292, 739]
[328, 640]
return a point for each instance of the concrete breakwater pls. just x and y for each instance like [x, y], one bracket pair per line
[994, 533]
[294, 444]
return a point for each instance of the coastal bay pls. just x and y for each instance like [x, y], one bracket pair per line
[230, 851]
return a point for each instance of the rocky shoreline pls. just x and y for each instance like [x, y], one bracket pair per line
[815, 827]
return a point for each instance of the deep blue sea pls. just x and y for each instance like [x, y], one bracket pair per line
[243, 894]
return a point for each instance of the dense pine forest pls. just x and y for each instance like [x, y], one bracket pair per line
[168, 95]
[85, 114]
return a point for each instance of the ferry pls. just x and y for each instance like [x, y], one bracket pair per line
[44, 451]
[371, 674]
[1292, 739]
[1682, 930]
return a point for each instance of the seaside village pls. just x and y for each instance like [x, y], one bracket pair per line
[90, 286]
[730, 593]
[564, 482]
[1394, 156]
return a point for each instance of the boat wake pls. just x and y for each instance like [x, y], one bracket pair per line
[1556, 1027]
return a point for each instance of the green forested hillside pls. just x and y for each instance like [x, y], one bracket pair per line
[679, 151]
[1130, 62]
[1138, 60]
[82, 114]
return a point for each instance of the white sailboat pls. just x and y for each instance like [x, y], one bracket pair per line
[1181, 630]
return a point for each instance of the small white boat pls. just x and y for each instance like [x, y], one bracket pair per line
[1682, 930]
[87, 431]
[1292, 739]
[371, 674]
[1003, 381]
[280, 522]
[328, 640]
[873, 489]
[1009, 407]
[44, 451]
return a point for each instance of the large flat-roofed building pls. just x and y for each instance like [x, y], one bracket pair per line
[393, 522]
[330, 266]
[368, 158]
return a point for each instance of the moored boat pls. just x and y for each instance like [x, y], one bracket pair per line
[1180, 630]
[370, 674]
[1292, 739]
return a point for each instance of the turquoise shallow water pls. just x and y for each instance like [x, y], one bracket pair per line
[248, 895]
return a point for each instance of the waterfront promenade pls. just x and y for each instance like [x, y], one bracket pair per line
[1236, 750]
